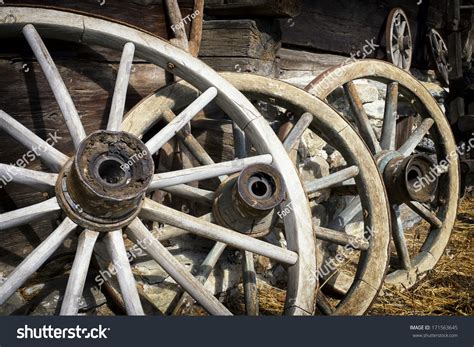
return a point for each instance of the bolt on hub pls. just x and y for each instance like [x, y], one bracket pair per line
[102, 187]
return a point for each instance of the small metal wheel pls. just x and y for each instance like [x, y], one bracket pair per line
[439, 55]
[398, 39]
[102, 189]
[421, 174]
[352, 263]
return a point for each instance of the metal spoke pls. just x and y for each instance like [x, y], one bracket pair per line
[53, 158]
[164, 135]
[293, 138]
[35, 259]
[425, 213]
[35, 179]
[28, 214]
[250, 284]
[63, 98]
[78, 275]
[389, 128]
[121, 86]
[399, 238]
[173, 178]
[361, 118]
[138, 232]
[128, 287]
[192, 193]
[341, 238]
[154, 211]
[331, 180]
[203, 273]
[416, 137]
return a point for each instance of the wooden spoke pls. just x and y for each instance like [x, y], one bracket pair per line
[48, 154]
[139, 233]
[293, 138]
[331, 180]
[240, 142]
[416, 137]
[77, 278]
[323, 304]
[121, 86]
[426, 214]
[341, 238]
[352, 210]
[118, 254]
[361, 118]
[28, 214]
[154, 211]
[204, 271]
[192, 193]
[35, 179]
[389, 128]
[63, 98]
[173, 178]
[399, 238]
[250, 284]
[157, 141]
[170, 231]
[35, 259]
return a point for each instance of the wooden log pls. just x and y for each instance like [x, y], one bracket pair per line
[260, 8]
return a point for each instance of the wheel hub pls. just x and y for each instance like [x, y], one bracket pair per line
[245, 202]
[102, 187]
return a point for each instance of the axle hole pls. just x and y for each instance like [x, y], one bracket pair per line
[111, 172]
[259, 188]
[413, 175]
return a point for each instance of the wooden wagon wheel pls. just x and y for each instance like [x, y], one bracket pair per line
[101, 188]
[359, 287]
[398, 39]
[427, 183]
[439, 55]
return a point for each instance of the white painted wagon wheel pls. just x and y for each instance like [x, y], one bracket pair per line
[405, 165]
[99, 160]
[398, 39]
[372, 255]
[439, 55]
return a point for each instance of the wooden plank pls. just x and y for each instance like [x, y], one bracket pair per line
[273, 8]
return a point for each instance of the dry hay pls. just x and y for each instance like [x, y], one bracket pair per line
[448, 288]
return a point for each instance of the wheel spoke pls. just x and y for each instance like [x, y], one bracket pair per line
[352, 210]
[139, 233]
[293, 138]
[425, 213]
[240, 142]
[35, 179]
[203, 273]
[63, 98]
[250, 284]
[389, 128]
[121, 86]
[331, 180]
[323, 304]
[399, 238]
[78, 275]
[173, 178]
[28, 214]
[192, 193]
[35, 259]
[416, 137]
[341, 238]
[157, 141]
[128, 287]
[50, 155]
[403, 26]
[153, 211]
[361, 118]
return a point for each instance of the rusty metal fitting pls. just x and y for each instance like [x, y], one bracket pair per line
[246, 202]
[103, 187]
[411, 179]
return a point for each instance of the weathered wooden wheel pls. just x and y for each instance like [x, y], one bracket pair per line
[439, 55]
[398, 39]
[422, 173]
[360, 284]
[101, 189]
